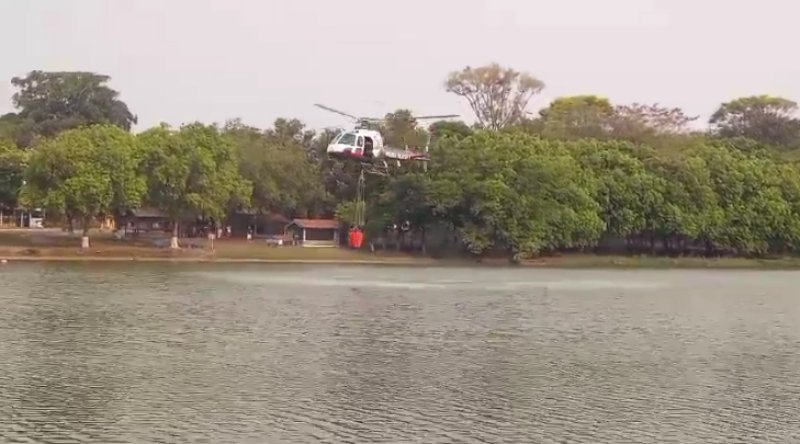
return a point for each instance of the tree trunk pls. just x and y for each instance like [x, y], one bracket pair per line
[424, 241]
[85, 236]
[173, 242]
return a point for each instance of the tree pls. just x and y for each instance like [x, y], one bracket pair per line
[84, 173]
[446, 128]
[766, 119]
[637, 121]
[513, 192]
[577, 117]
[14, 129]
[291, 129]
[192, 172]
[317, 148]
[13, 162]
[403, 202]
[399, 129]
[498, 96]
[284, 178]
[57, 101]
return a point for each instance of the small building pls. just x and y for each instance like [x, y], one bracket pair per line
[258, 224]
[314, 232]
[146, 220]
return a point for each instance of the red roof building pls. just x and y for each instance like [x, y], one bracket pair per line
[317, 224]
[315, 232]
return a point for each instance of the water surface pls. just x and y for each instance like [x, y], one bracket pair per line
[103, 353]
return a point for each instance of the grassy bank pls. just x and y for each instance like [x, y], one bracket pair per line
[56, 245]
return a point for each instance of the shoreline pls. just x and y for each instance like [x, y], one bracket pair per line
[554, 262]
[76, 258]
[54, 246]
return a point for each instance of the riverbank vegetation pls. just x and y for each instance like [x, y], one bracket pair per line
[583, 175]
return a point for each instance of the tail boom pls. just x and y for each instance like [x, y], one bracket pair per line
[404, 155]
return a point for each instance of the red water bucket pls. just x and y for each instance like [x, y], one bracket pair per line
[356, 238]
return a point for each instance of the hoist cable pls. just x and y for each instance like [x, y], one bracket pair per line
[360, 210]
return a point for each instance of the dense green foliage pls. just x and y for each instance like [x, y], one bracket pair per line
[276, 164]
[526, 194]
[85, 173]
[13, 162]
[52, 102]
[582, 174]
[192, 172]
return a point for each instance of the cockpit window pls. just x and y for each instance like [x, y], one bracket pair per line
[347, 139]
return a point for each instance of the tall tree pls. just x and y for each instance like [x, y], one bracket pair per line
[291, 129]
[57, 101]
[13, 162]
[84, 173]
[399, 129]
[192, 172]
[318, 146]
[767, 119]
[17, 130]
[446, 128]
[285, 179]
[634, 119]
[498, 96]
[577, 117]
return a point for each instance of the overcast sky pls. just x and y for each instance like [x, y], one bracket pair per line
[210, 60]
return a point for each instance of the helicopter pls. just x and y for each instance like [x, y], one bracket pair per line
[367, 145]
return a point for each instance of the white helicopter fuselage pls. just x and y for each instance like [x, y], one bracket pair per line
[358, 143]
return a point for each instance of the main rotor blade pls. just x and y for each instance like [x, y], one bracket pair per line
[326, 108]
[445, 116]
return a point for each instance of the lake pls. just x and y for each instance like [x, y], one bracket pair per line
[146, 352]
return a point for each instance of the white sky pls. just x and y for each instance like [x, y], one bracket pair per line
[210, 60]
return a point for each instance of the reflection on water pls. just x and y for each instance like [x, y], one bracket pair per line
[252, 354]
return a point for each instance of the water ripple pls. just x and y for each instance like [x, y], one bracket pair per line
[202, 354]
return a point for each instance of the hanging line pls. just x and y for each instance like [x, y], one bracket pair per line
[360, 210]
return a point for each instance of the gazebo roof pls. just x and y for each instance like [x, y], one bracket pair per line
[319, 224]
